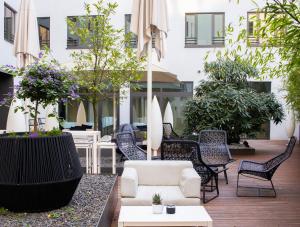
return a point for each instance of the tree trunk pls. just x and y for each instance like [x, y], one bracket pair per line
[95, 111]
[35, 122]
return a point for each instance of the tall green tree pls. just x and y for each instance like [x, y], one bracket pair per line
[277, 56]
[107, 63]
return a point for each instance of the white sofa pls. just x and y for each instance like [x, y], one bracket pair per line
[176, 181]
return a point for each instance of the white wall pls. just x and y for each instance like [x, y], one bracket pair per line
[6, 48]
[184, 62]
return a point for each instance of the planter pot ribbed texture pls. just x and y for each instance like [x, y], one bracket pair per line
[38, 174]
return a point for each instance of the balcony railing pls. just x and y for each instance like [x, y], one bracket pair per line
[193, 41]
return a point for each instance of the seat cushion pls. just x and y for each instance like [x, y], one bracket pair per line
[169, 194]
[157, 172]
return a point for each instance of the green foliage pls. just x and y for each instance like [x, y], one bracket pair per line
[156, 199]
[279, 45]
[227, 71]
[108, 63]
[43, 83]
[292, 85]
[230, 104]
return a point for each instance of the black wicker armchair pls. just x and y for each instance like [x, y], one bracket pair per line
[264, 171]
[214, 149]
[189, 150]
[169, 133]
[128, 148]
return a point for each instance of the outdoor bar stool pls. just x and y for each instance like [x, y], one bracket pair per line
[88, 146]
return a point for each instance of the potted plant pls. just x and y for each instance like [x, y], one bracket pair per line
[39, 171]
[157, 207]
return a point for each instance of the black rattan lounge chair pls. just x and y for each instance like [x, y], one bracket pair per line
[169, 133]
[128, 148]
[189, 150]
[214, 149]
[264, 171]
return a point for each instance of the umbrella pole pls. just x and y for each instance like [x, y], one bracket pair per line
[149, 101]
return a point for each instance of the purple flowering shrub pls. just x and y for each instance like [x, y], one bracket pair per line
[44, 83]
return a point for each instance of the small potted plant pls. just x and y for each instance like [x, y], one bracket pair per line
[157, 207]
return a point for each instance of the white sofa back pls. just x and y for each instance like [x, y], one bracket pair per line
[166, 173]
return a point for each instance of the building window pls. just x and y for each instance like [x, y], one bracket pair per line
[204, 29]
[254, 19]
[133, 38]
[9, 23]
[176, 93]
[73, 41]
[44, 31]
[261, 87]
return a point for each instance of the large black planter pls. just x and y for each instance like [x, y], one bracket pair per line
[38, 174]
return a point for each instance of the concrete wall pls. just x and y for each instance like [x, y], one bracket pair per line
[184, 62]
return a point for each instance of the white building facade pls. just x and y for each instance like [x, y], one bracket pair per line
[184, 58]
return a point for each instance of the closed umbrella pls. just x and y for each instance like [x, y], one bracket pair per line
[81, 115]
[26, 44]
[150, 19]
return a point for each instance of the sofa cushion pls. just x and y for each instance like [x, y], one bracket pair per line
[161, 173]
[169, 194]
[190, 183]
[129, 183]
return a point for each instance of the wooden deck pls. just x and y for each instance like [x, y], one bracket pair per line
[230, 210]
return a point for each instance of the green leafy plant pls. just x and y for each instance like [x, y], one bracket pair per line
[107, 63]
[230, 105]
[156, 199]
[277, 55]
[43, 83]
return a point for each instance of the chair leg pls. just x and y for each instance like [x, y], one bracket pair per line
[217, 184]
[275, 194]
[225, 174]
[87, 160]
[237, 185]
[203, 196]
[237, 189]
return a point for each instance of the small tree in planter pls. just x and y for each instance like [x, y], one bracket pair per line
[39, 171]
[42, 83]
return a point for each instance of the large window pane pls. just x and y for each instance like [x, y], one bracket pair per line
[44, 31]
[9, 23]
[218, 29]
[175, 93]
[73, 41]
[190, 29]
[204, 28]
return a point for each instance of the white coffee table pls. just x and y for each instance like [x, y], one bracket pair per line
[184, 216]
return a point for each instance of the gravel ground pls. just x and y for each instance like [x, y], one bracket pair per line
[84, 209]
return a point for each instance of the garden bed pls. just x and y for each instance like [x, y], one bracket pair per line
[92, 205]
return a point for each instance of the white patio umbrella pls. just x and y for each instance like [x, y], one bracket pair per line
[150, 19]
[26, 47]
[81, 115]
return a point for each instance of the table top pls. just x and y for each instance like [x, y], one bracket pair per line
[184, 215]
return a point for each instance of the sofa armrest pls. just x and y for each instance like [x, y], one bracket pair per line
[190, 183]
[129, 183]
